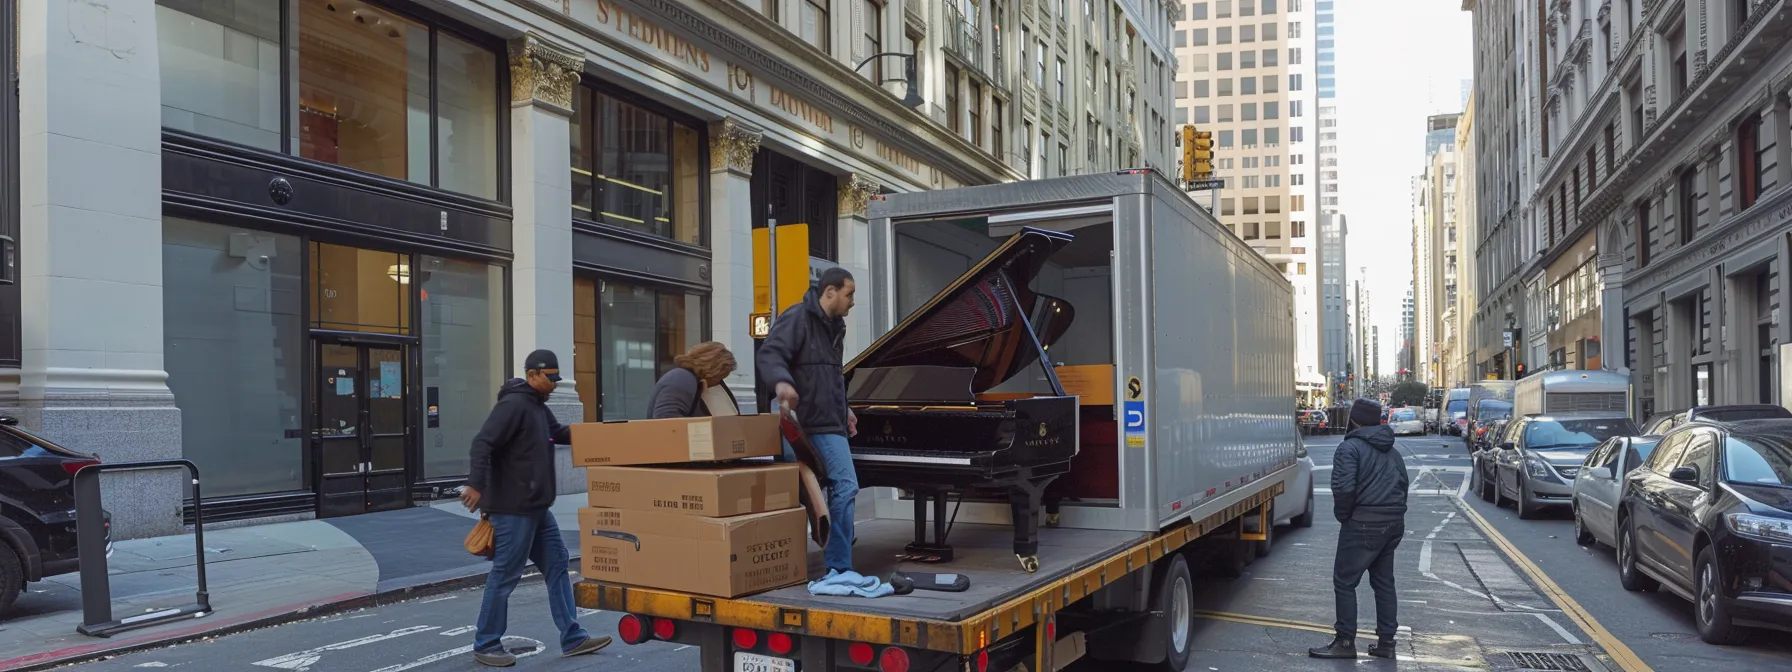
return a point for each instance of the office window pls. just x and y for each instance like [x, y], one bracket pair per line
[1297, 134]
[1750, 157]
[1226, 113]
[1248, 137]
[1225, 61]
[952, 105]
[1272, 135]
[1197, 11]
[1271, 83]
[1225, 87]
[1198, 62]
[1295, 107]
[634, 167]
[1045, 143]
[1642, 233]
[1063, 99]
[1203, 114]
[1222, 9]
[816, 27]
[874, 39]
[1271, 110]
[1181, 90]
[1247, 34]
[1039, 64]
[1293, 30]
[1294, 55]
[1247, 112]
[975, 110]
[996, 138]
[1294, 82]
[1201, 88]
[1247, 59]
[1198, 37]
[1247, 8]
[1270, 57]
[1272, 205]
[1687, 190]
[1026, 148]
[1297, 203]
[1063, 159]
[1269, 7]
[1227, 208]
[1225, 139]
[1247, 86]
[1268, 31]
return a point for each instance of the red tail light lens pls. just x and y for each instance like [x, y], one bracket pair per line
[631, 630]
[745, 639]
[72, 466]
[859, 653]
[779, 643]
[983, 661]
[893, 660]
[664, 628]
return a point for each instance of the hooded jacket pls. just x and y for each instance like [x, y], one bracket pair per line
[513, 454]
[1369, 477]
[805, 349]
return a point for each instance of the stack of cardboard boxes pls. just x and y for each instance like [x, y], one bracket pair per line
[691, 521]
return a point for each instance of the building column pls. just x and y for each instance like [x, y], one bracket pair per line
[854, 228]
[543, 76]
[1611, 310]
[90, 254]
[732, 145]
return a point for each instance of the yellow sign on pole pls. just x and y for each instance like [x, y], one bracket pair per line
[792, 267]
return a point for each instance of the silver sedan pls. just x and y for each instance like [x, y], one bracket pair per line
[1601, 485]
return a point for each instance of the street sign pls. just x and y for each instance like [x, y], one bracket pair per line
[1204, 185]
[761, 324]
[1508, 337]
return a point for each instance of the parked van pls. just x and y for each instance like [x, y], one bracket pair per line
[1454, 418]
[1603, 393]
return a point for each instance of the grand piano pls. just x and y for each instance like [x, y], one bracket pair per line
[960, 398]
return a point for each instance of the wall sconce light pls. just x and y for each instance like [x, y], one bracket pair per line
[400, 273]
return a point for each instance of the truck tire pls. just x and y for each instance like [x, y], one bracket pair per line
[1305, 519]
[1175, 599]
[12, 577]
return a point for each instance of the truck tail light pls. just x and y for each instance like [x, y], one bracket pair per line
[859, 653]
[745, 638]
[664, 628]
[72, 466]
[983, 661]
[893, 660]
[631, 629]
[779, 643]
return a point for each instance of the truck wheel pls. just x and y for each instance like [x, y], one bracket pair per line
[1305, 519]
[1174, 598]
[12, 577]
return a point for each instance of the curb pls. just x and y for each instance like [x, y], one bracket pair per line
[429, 584]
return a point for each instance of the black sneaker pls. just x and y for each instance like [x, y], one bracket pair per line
[1341, 647]
[590, 645]
[497, 658]
[1383, 649]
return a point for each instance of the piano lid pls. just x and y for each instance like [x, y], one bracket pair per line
[979, 321]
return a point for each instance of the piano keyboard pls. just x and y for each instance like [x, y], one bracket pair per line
[914, 457]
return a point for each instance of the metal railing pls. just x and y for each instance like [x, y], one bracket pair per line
[90, 544]
[965, 39]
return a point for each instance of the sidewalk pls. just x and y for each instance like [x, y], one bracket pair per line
[258, 576]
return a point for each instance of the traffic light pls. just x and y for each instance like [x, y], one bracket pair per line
[1188, 152]
[1203, 153]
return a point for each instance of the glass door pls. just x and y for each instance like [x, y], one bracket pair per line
[361, 428]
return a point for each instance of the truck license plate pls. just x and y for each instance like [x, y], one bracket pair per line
[753, 662]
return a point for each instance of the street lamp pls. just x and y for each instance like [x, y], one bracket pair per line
[913, 99]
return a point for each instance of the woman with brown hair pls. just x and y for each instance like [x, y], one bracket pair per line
[694, 387]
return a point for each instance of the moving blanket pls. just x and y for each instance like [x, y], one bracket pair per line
[849, 584]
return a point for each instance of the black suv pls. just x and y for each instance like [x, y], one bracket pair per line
[1662, 423]
[37, 509]
[1709, 516]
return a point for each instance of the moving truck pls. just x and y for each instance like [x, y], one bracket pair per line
[1181, 354]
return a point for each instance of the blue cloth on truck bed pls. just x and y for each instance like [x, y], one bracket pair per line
[849, 584]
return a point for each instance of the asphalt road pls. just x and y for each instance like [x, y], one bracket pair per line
[1463, 603]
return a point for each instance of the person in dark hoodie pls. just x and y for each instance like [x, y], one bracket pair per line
[511, 480]
[801, 360]
[1369, 499]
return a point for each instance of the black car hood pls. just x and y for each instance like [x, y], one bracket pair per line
[1765, 497]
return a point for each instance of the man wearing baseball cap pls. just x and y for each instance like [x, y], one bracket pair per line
[512, 481]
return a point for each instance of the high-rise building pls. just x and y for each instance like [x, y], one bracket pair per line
[1334, 295]
[1436, 252]
[1500, 171]
[1333, 232]
[1248, 77]
[1406, 329]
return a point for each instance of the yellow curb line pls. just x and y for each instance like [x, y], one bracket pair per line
[1626, 659]
[1248, 619]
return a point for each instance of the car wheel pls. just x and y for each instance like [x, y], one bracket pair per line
[1582, 535]
[1710, 612]
[1499, 489]
[1486, 491]
[1629, 576]
[12, 577]
[1527, 509]
[1305, 519]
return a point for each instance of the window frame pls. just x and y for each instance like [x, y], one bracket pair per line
[672, 116]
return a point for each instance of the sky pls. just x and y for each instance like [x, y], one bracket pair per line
[1399, 61]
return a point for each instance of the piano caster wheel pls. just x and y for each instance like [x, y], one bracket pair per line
[1052, 519]
[1029, 563]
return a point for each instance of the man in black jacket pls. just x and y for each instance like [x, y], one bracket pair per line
[1369, 499]
[512, 480]
[801, 359]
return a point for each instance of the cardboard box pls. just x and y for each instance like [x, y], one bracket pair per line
[720, 557]
[675, 440]
[696, 490]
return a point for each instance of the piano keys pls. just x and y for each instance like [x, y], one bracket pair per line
[960, 398]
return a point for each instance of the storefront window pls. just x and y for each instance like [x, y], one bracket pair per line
[359, 81]
[463, 357]
[233, 345]
[353, 289]
[635, 168]
[221, 69]
[632, 337]
[363, 89]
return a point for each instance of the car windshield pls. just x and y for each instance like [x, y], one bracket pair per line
[1581, 435]
[1751, 413]
[1763, 460]
[1457, 406]
[1493, 409]
[1404, 415]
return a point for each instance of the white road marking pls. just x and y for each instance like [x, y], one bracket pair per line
[1553, 625]
[583, 612]
[443, 598]
[303, 660]
[153, 663]
[456, 632]
[509, 642]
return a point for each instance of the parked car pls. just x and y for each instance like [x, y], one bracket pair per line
[1542, 455]
[1481, 473]
[1313, 422]
[1489, 411]
[1600, 486]
[1405, 421]
[1662, 423]
[37, 510]
[1709, 516]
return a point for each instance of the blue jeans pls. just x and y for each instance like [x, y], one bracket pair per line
[533, 537]
[843, 494]
[1367, 547]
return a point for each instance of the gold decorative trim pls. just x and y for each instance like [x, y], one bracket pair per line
[732, 144]
[544, 73]
[855, 194]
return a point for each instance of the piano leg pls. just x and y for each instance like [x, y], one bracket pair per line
[1024, 503]
[922, 550]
